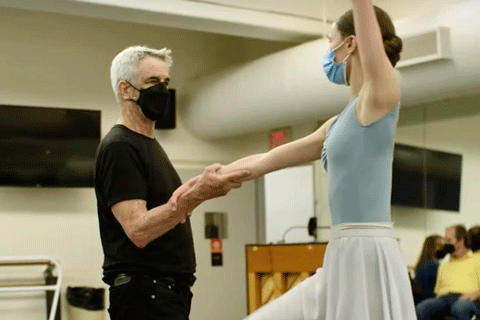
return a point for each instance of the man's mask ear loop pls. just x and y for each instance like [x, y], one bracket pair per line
[131, 85]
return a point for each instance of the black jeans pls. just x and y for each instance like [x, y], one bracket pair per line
[149, 298]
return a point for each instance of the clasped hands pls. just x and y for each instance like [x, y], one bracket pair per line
[212, 183]
[471, 297]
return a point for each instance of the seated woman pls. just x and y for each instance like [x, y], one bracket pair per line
[427, 266]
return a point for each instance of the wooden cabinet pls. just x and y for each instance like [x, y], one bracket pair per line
[274, 269]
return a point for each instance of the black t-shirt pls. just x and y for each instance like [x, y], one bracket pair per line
[132, 166]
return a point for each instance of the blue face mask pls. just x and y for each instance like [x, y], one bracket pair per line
[336, 71]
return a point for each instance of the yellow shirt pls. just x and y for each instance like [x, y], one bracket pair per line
[476, 256]
[459, 276]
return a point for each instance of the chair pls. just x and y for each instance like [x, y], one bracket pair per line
[35, 261]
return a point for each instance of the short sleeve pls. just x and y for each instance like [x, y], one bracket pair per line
[122, 173]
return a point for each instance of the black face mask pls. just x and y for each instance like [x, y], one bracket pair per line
[153, 101]
[447, 249]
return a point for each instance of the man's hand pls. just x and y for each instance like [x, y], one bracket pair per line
[181, 190]
[471, 296]
[211, 184]
[173, 201]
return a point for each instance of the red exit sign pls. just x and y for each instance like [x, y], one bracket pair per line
[278, 137]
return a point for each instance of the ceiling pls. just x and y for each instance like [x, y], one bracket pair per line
[280, 20]
[314, 8]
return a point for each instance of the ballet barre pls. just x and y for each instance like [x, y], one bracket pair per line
[34, 261]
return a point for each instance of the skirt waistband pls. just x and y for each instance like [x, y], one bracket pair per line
[364, 229]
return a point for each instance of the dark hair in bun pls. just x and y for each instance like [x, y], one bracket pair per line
[392, 43]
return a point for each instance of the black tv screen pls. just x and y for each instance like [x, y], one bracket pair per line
[168, 121]
[426, 178]
[48, 147]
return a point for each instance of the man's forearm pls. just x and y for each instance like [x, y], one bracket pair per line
[156, 222]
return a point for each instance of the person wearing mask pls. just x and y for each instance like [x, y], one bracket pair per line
[458, 281]
[364, 275]
[149, 255]
[474, 236]
[427, 266]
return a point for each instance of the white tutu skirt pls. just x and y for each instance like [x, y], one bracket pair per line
[363, 277]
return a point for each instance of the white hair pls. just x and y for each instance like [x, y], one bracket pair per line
[125, 64]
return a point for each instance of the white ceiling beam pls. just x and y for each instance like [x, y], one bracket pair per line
[188, 15]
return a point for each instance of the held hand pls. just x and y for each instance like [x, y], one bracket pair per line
[213, 183]
[181, 190]
[470, 297]
[210, 184]
[188, 214]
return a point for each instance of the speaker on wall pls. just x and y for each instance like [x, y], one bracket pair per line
[168, 121]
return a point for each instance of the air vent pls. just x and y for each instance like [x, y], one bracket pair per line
[431, 45]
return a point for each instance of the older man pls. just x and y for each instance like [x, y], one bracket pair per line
[457, 283]
[148, 246]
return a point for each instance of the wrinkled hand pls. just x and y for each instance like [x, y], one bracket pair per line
[471, 296]
[181, 190]
[173, 201]
[211, 184]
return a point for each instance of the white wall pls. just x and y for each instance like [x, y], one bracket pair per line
[288, 193]
[62, 61]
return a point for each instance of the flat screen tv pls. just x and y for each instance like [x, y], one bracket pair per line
[426, 178]
[47, 147]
